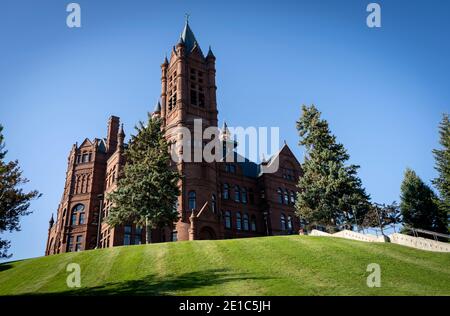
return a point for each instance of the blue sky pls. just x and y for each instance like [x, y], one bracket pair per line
[383, 90]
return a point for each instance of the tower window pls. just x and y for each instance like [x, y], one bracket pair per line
[81, 221]
[69, 243]
[78, 246]
[192, 200]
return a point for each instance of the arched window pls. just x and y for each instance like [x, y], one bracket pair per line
[228, 219]
[237, 194]
[286, 197]
[283, 222]
[280, 196]
[292, 197]
[226, 191]
[244, 195]
[192, 200]
[79, 208]
[289, 223]
[253, 223]
[246, 222]
[238, 221]
[213, 203]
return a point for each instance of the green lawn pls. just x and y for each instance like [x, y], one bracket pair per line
[288, 265]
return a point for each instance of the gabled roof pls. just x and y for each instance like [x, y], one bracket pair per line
[274, 158]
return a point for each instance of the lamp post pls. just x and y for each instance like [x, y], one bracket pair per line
[99, 220]
[265, 213]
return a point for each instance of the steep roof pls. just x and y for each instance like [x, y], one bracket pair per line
[188, 38]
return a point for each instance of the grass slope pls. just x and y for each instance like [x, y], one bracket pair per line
[288, 265]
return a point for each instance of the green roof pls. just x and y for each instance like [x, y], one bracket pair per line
[188, 38]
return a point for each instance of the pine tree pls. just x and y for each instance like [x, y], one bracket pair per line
[330, 192]
[148, 188]
[14, 202]
[442, 157]
[419, 207]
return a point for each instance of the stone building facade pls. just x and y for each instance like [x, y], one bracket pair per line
[218, 199]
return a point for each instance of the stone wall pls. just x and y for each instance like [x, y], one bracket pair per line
[401, 239]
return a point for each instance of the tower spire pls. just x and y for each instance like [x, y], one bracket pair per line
[187, 37]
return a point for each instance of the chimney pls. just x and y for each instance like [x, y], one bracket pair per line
[113, 129]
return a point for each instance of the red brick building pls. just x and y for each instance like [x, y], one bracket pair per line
[218, 199]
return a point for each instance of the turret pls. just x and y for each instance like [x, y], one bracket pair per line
[120, 138]
[51, 222]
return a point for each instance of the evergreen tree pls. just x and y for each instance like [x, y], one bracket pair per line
[14, 202]
[419, 207]
[147, 190]
[330, 191]
[442, 157]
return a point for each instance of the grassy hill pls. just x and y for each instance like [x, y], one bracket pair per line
[288, 265]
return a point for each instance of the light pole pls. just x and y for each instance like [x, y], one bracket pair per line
[265, 220]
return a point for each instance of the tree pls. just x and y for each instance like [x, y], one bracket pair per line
[14, 202]
[382, 215]
[442, 157]
[419, 207]
[147, 190]
[330, 191]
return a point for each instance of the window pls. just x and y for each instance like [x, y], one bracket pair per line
[283, 222]
[85, 157]
[280, 196]
[196, 90]
[78, 244]
[127, 235]
[79, 208]
[253, 223]
[226, 191]
[244, 195]
[286, 197]
[292, 197]
[238, 221]
[237, 194]
[69, 243]
[74, 219]
[81, 220]
[192, 200]
[228, 219]
[289, 223]
[137, 235]
[174, 236]
[246, 227]
[213, 203]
